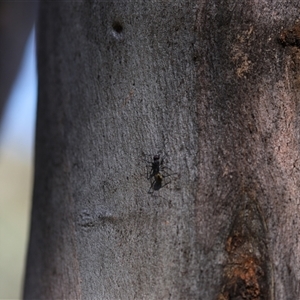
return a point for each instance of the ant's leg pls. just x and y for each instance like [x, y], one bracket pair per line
[165, 174]
[164, 160]
[149, 159]
[165, 167]
[151, 189]
[150, 173]
[165, 184]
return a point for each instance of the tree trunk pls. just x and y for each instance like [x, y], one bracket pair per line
[210, 86]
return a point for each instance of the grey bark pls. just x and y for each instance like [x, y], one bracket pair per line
[213, 86]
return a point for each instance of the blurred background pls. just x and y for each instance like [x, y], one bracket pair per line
[16, 174]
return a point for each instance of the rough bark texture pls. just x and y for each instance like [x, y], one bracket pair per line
[212, 85]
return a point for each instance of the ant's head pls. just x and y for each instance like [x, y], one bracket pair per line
[156, 157]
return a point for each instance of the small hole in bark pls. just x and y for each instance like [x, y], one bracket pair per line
[117, 27]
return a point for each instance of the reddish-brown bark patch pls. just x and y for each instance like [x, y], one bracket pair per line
[290, 36]
[246, 274]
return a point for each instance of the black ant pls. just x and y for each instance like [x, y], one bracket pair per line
[157, 173]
